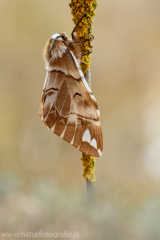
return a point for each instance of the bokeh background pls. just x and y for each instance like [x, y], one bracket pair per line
[41, 183]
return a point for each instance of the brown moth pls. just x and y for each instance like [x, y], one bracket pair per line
[68, 107]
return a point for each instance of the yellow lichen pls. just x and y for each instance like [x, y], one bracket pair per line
[78, 9]
[89, 167]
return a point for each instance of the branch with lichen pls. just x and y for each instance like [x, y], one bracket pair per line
[89, 167]
[78, 9]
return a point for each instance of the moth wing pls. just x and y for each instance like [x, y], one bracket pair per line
[69, 108]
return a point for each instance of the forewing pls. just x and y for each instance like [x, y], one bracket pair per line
[69, 109]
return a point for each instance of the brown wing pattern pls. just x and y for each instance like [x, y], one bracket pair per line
[70, 111]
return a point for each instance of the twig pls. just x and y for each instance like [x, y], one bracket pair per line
[79, 8]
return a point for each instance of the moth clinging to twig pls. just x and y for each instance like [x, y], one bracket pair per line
[68, 107]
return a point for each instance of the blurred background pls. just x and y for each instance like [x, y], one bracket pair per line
[41, 183]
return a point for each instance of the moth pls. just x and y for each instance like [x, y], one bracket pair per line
[68, 107]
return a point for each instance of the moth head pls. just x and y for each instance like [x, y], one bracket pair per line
[54, 44]
[64, 36]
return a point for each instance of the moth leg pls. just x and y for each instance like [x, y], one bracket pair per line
[84, 54]
[87, 40]
[78, 24]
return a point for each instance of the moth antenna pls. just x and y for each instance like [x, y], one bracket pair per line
[92, 38]
[78, 24]
[54, 44]
[84, 54]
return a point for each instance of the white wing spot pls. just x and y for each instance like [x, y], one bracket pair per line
[98, 112]
[62, 134]
[72, 141]
[86, 136]
[53, 127]
[99, 151]
[94, 143]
